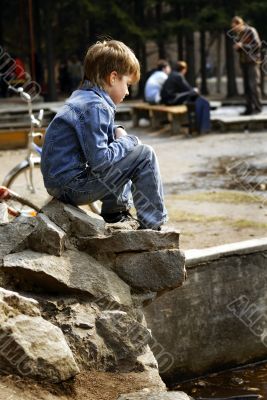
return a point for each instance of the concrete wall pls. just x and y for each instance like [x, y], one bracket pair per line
[218, 319]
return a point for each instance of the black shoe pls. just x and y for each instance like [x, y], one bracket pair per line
[145, 227]
[246, 112]
[112, 218]
[120, 216]
[255, 112]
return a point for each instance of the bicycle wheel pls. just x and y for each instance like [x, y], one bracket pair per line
[19, 181]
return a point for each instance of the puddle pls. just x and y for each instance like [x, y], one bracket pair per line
[251, 380]
[229, 173]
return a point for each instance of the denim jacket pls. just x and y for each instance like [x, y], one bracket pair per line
[81, 136]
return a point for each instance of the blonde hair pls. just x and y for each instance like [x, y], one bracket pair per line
[237, 20]
[181, 65]
[106, 56]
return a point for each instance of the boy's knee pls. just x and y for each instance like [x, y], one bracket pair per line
[146, 150]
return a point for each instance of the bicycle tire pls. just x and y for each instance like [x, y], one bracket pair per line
[19, 185]
[18, 180]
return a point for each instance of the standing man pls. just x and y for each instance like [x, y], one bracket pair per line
[248, 45]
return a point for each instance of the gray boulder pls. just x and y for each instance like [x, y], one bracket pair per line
[73, 220]
[29, 345]
[73, 272]
[130, 240]
[154, 271]
[127, 337]
[14, 235]
[47, 237]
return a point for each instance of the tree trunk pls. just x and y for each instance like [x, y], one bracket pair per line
[262, 72]
[219, 63]
[140, 47]
[180, 45]
[230, 67]
[39, 61]
[50, 59]
[204, 88]
[2, 43]
[190, 57]
[180, 34]
[160, 36]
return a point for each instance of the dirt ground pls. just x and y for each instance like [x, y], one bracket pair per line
[85, 386]
[215, 185]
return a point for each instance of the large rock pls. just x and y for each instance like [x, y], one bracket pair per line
[73, 220]
[126, 336]
[126, 241]
[74, 272]
[154, 271]
[15, 234]
[147, 395]
[47, 237]
[29, 345]
[77, 321]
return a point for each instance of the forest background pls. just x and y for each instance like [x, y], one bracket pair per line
[45, 34]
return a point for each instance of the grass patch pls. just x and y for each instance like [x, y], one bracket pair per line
[234, 197]
[184, 216]
[244, 223]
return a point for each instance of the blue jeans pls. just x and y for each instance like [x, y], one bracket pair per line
[136, 177]
[202, 114]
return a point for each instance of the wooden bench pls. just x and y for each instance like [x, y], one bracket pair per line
[240, 122]
[176, 115]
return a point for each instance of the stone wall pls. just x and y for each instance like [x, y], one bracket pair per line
[218, 319]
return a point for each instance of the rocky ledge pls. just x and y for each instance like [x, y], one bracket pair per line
[73, 291]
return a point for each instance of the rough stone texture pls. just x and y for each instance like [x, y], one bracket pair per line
[127, 337]
[77, 321]
[217, 319]
[71, 272]
[147, 395]
[74, 220]
[47, 237]
[153, 271]
[127, 241]
[68, 259]
[147, 360]
[14, 234]
[29, 345]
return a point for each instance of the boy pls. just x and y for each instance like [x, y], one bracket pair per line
[87, 158]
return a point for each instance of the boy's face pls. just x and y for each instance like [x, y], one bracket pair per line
[117, 86]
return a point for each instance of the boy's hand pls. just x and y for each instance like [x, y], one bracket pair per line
[119, 132]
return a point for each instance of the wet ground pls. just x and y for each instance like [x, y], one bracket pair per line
[250, 382]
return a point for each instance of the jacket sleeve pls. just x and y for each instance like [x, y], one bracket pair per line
[101, 154]
[251, 41]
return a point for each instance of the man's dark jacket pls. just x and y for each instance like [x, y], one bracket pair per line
[176, 89]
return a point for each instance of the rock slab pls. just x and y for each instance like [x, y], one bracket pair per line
[154, 270]
[29, 345]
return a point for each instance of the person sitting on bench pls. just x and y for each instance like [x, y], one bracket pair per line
[155, 82]
[176, 90]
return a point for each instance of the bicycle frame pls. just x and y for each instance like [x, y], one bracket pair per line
[34, 151]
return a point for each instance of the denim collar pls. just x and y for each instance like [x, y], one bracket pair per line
[86, 85]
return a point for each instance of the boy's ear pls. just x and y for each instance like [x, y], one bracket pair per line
[112, 78]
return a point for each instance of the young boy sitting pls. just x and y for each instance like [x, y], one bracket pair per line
[86, 157]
